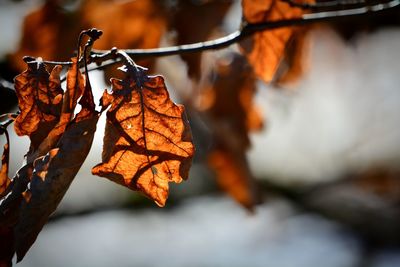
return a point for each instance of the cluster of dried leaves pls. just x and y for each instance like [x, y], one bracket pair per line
[147, 144]
[147, 141]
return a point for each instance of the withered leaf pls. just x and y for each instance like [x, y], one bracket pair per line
[267, 50]
[48, 32]
[231, 114]
[75, 88]
[50, 167]
[134, 24]
[234, 177]
[199, 29]
[51, 178]
[39, 99]
[147, 140]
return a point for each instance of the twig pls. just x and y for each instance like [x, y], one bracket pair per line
[336, 4]
[101, 56]
[251, 28]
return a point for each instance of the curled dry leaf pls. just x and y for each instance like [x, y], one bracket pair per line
[234, 176]
[39, 99]
[147, 142]
[231, 115]
[75, 89]
[268, 49]
[51, 166]
[51, 178]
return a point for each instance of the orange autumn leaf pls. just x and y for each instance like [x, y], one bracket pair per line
[48, 32]
[41, 183]
[49, 136]
[228, 101]
[147, 142]
[53, 173]
[267, 50]
[295, 60]
[232, 114]
[39, 99]
[234, 176]
[125, 24]
[75, 88]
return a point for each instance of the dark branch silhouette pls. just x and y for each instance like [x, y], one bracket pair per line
[344, 10]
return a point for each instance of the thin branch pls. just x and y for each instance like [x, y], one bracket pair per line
[102, 57]
[336, 4]
[4, 125]
[249, 29]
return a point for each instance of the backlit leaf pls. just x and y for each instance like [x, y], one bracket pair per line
[52, 176]
[39, 100]
[267, 50]
[147, 141]
[134, 24]
[234, 176]
[48, 32]
[231, 114]
[75, 88]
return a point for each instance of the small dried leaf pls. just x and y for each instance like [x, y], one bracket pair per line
[38, 95]
[268, 49]
[147, 141]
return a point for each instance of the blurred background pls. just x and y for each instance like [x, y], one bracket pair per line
[324, 157]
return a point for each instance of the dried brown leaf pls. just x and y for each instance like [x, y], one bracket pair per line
[267, 50]
[131, 24]
[75, 88]
[147, 141]
[51, 178]
[229, 102]
[234, 177]
[48, 32]
[232, 114]
[39, 99]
